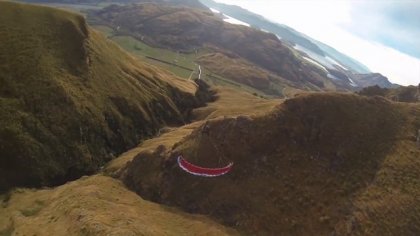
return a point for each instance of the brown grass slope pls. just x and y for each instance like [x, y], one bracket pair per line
[244, 72]
[188, 29]
[390, 205]
[319, 164]
[100, 205]
[231, 103]
[71, 100]
[228, 103]
[96, 205]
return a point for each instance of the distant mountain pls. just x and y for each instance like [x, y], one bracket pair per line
[290, 35]
[410, 94]
[286, 33]
[346, 60]
[366, 80]
[189, 3]
[70, 99]
[187, 29]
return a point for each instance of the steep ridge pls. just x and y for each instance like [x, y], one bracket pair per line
[71, 100]
[186, 29]
[303, 169]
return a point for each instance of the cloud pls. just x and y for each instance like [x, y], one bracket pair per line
[400, 68]
[394, 23]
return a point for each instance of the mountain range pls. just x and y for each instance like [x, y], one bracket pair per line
[327, 56]
[280, 65]
[98, 101]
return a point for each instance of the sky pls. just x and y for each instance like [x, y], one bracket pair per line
[384, 35]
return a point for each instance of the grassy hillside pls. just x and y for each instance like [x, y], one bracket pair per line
[96, 205]
[229, 103]
[234, 103]
[99, 205]
[186, 29]
[71, 100]
[238, 70]
[213, 65]
[181, 64]
[317, 165]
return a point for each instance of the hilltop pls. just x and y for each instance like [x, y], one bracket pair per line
[71, 100]
[317, 164]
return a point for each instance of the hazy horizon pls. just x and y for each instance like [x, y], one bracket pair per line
[380, 34]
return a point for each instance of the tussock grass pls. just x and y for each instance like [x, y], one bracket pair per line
[317, 164]
[97, 205]
[229, 103]
[71, 100]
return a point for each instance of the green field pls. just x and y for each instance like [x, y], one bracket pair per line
[144, 51]
[181, 64]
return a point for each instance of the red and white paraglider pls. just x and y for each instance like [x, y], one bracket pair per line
[203, 171]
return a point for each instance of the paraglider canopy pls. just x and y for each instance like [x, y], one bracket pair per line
[202, 171]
